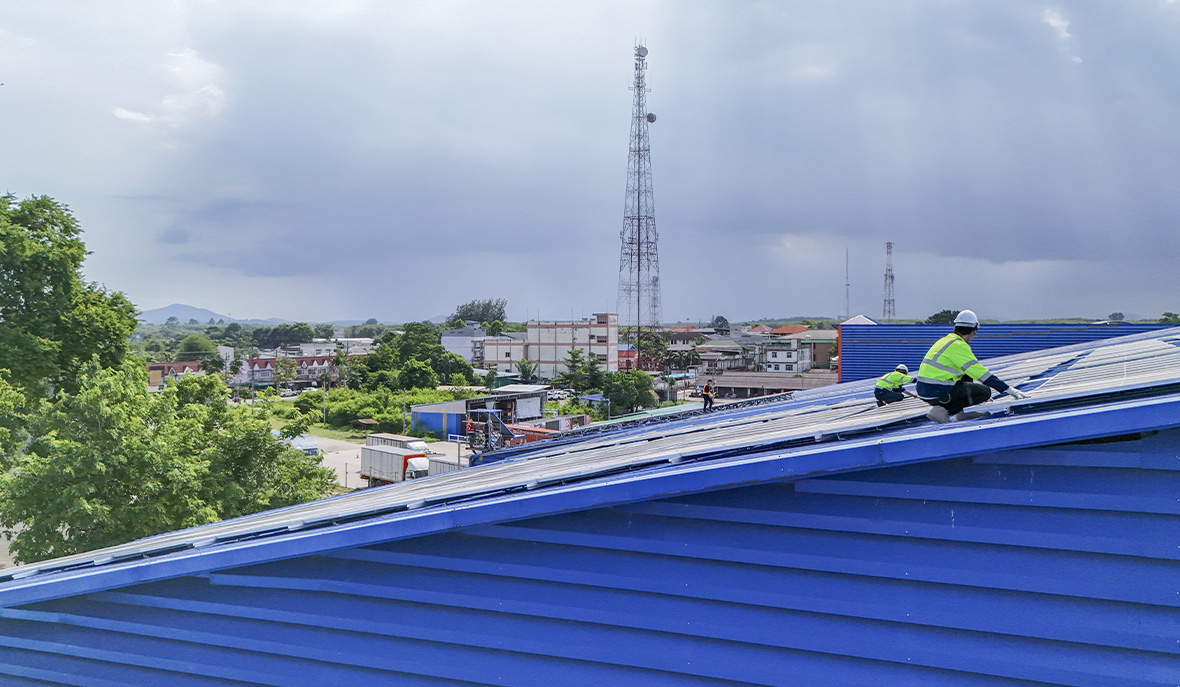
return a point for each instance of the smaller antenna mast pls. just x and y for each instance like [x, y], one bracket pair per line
[847, 308]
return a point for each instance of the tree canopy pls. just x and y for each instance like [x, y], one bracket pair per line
[943, 317]
[53, 321]
[629, 390]
[283, 335]
[112, 462]
[488, 310]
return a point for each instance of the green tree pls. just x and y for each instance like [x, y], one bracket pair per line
[418, 341]
[526, 368]
[285, 372]
[1170, 318]
[111, 463]
[943, 317]
[719, 322]
[594, 377]
[488, 310]
[213, 364]
[196, 346]
[489, 379]
[172, 320]
[53, 321]
[574, 376]
[629, 390]
[445, 364]
[495, 328]
[1116, 317]
[653, 350]
[324, 331]
[415, 374]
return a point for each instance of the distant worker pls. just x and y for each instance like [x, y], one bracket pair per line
[891, 389]
[707, 395]
[951, 379]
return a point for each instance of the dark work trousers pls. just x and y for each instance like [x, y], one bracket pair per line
[963, 394]
[884, 396]
[708, 399]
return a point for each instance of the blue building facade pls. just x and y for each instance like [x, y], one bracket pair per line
[815, 541]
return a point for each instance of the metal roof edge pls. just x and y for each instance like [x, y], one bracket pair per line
[940, 442]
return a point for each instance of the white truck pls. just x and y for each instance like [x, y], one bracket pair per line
[387, 458]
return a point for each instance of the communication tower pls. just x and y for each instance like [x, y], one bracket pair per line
[889, 311]
[639, 304]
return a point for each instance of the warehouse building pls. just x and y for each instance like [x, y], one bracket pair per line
[817, 540]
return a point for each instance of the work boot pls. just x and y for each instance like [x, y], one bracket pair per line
[971, 415]
[939, 415]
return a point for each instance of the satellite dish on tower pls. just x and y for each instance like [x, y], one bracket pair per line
[651, 117]
[641, 51]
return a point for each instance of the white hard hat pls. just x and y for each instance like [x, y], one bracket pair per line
[902, 368]
[967, 319]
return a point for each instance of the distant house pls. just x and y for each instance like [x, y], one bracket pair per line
[160, 373]
[788, 329]
[628, 356]
[759, 329]
[821, 342]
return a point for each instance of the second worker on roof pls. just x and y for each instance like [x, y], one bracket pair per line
[951, 379]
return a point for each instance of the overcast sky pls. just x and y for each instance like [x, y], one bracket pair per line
[333, 160]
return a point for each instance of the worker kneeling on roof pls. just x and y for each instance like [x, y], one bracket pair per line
[945, 379]
[891, 387]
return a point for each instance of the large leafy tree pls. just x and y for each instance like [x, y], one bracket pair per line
[111, 462]
[51, 321]
[415, 374]
[487, 310]
[629, 390]
[943, 317]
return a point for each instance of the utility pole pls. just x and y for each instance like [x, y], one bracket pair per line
[639, 302]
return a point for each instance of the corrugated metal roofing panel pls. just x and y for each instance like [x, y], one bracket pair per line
[908, 575]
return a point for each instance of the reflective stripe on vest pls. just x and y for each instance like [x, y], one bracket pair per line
[894, 380]
[949, 359]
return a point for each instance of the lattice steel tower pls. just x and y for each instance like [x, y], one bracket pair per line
[639, 265]
[889, 311]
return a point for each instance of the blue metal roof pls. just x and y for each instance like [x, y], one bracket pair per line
[812, 541]
[869, 351]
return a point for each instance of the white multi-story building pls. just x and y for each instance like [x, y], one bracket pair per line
[786, 356]
[501, 353]
[545, 342]
[550, 341]
[467, 342]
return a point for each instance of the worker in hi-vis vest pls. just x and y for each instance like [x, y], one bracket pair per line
[951, 379]
[891, 389]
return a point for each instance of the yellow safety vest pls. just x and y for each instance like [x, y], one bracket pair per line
[894, 380]
[949, 359]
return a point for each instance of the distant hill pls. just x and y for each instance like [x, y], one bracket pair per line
[184, 313]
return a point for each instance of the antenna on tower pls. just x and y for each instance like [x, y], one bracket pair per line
[889, 311]
[639, 303]
[847, 307]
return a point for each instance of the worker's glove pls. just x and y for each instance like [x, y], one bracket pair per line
[1017, 393]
